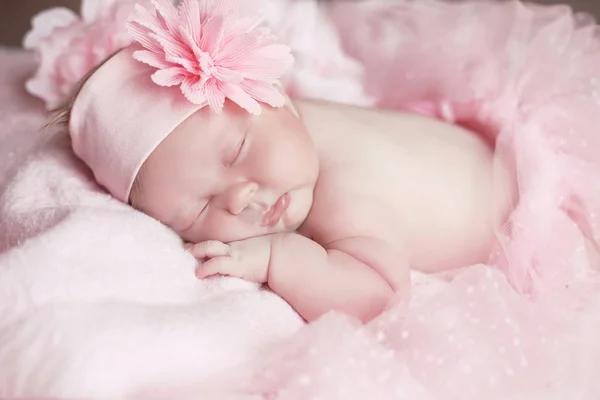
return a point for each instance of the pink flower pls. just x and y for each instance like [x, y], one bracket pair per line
[212, 52]
[69, 46]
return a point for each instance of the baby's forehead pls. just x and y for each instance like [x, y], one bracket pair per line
[212, 131]
[197, 149]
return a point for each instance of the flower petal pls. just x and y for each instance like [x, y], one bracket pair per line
[186, 63]
[190, 18]
[187, 38]
[140, 34]
[214, 95]
[167, 14]
[223, 7]
[227, 75]
[193, 91]
[208, 8]
[172, 46]
[169, 77]
[155, 60]
[212, 53]
[264, 92]
[236, 50]
[147, 19]
[212, 34]
[236, 94]
[266, 65]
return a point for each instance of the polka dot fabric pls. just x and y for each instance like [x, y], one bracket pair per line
[120, 314]
[474, 338]
[525, 325]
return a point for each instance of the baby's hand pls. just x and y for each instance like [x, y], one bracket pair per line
[246, 259]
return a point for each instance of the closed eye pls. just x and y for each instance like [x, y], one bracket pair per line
[193, 221]
[204, 208]
[239, 150]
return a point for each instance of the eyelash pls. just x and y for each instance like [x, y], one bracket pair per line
[239, 151]
[205, 206]
[203, 209]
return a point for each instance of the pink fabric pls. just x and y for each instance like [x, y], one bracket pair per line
[68, 45]
[184, 58]
[212, 51]
[96, 299]
[114, 138]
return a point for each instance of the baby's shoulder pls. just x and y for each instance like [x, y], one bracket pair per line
[340, 212]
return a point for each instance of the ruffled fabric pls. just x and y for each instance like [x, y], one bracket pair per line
[68, 46]
[524, 75]
[474, 338]
[322, 69]
[211, 51]
[524, 325]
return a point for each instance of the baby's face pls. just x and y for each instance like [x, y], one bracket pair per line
[231, 176]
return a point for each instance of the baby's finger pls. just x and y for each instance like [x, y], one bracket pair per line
[214, 266]
[210, 249]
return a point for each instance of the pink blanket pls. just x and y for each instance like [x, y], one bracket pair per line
[97, 300]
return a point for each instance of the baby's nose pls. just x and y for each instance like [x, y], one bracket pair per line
[240, 197]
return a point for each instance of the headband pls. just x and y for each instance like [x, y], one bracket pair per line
[182, 60]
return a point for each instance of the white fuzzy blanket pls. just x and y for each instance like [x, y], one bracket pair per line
[97, 300]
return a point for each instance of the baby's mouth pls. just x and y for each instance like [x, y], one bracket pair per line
[273, 215]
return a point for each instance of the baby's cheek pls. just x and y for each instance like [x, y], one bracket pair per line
[213, 226]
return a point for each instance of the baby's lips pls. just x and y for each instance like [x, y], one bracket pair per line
[266, 218]
[275, 213]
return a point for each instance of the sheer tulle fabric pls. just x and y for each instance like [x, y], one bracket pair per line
[523, 326]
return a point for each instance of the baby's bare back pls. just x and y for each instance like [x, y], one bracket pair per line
[422, 185]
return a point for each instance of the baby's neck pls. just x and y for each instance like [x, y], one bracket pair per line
[324, 122]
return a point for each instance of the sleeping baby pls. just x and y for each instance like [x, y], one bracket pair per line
[329, 205]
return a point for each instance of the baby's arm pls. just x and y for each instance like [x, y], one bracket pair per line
[357, 276]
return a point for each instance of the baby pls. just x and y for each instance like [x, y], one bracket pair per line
[330, 205]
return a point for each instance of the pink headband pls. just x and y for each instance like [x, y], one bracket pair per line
[185, 59]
